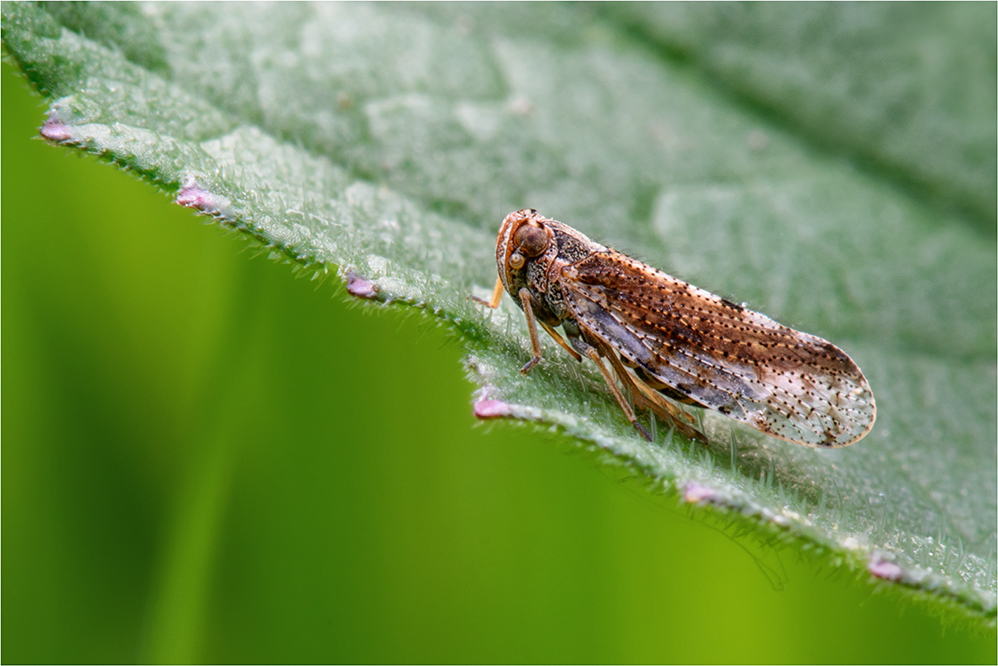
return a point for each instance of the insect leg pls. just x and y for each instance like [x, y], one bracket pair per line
[593, 355]
[535, 343]
[561, 341]
[657, 398]
[646, 397]
[496, 296]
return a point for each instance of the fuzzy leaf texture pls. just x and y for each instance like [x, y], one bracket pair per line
[846, 190]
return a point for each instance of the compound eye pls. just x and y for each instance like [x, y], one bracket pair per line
[530, 241]
[516, 260]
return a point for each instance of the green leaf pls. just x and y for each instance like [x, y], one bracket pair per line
[385, 143]
[909, 93]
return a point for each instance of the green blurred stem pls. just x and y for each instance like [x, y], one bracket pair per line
[180, 596]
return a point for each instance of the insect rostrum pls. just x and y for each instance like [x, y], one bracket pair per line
[665, 338]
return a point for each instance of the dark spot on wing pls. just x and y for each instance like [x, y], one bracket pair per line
[734, 306]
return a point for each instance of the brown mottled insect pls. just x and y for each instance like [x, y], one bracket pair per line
[664, 337]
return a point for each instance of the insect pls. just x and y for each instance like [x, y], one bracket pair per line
[665, 338]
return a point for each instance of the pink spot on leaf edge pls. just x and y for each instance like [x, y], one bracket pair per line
[883, 569]
[697, 492]
[55, 130]
[487, 408]
[361, 287]
[192, 195]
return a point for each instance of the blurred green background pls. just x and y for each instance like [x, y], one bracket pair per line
[206, 459]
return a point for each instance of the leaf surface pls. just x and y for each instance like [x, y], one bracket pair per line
[387, 142]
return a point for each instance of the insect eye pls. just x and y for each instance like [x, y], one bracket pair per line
[516, 260]
[530, 240]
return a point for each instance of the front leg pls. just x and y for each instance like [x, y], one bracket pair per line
[535, 342]
[496, 296]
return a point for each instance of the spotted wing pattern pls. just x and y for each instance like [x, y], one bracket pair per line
[684, 340]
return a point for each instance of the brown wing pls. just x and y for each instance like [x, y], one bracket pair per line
[685, 340]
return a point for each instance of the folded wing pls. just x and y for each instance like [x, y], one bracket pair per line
[684, 340]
